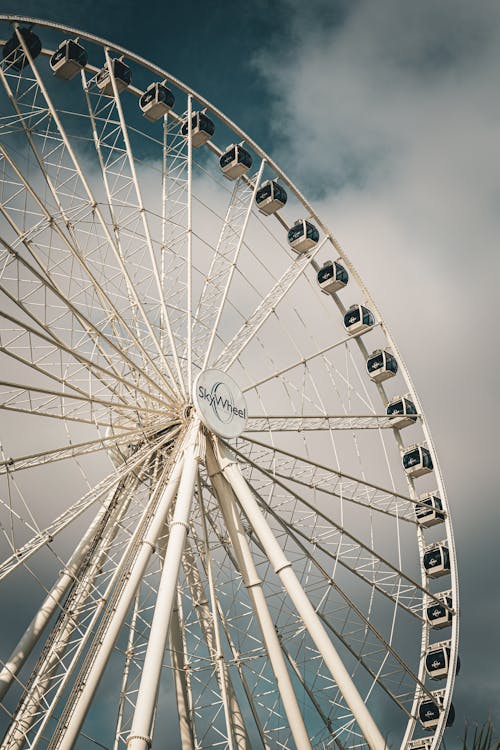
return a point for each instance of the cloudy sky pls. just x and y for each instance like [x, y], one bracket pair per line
[387, 115]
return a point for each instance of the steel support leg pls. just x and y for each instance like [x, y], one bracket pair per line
[139, 738]
[123, 605]
[254, 586]
[52, 601]
[306, 611]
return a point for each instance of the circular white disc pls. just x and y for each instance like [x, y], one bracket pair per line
[220, 403]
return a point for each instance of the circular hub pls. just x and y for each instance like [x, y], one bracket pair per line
[220, 403]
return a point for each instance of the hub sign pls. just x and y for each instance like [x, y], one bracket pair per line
[220, 403]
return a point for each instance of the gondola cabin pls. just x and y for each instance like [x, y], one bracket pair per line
[423, 743]
[156, 101]
[439, 614]
[430, 709]
[437, 660]
[332, 277]
[429, 511]
[437, 560]
[13, 53]
[202, 129]
[381, 365]
[303, 236]
[358, 319]
[270, 197]
[235, 161]
[401, 411]
[68, 60]
[417, 461]
[121, 73]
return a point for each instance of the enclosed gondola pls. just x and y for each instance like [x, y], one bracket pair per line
[422, 743]
[122, 75]
[270, 197]
[358, 318]
[202, 128]
[430, 709]
[68, 59]
[381, 365]
[437, 660]
[235, 161]
[437, 560]
[332, 277]
[439, 614]
[429, 511]
[13, 52]
[156, 101]
[417, 461]
[303, 236]
[401, 411]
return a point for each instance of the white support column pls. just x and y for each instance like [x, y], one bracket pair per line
[310, 618]
[32, 700]
[217, 651]
[140, 733]
[256, 594]
[206, 620]
[52, 601]
[129, 654]
[181, 678]
[123, 605]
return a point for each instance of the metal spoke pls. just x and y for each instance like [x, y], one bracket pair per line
[218, 281]
[302, 362]
[320, 422]
[257, 319]
[385, 575]
[77, 255]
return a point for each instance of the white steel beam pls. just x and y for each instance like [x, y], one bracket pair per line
[312, 622]
[53, 600]
[181, 678]
[140, 733]
[254, 586]
[206, 618]
[147, 546]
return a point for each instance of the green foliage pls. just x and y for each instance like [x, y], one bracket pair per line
[482, 739]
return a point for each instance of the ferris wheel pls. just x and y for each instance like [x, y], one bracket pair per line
[223, 522]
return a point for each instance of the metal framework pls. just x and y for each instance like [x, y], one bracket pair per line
[170, 586]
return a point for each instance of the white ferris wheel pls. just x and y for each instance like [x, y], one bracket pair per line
[223, 522]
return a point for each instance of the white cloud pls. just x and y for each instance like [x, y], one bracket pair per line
[389, 115]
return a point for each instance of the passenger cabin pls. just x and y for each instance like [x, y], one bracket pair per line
[202, 129]
[13, 53]
[303, 236]
[437, 660]
[68, 59]
[437, 560]
[438, 614]
[156, 101]
[381, 365]
[121, 73]
[332, 277]
[401, 409]
[429, 512]
[270, 197]
[235, 161]
[430, 709]
[417, 461]
[358, 319]
[423, 743]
